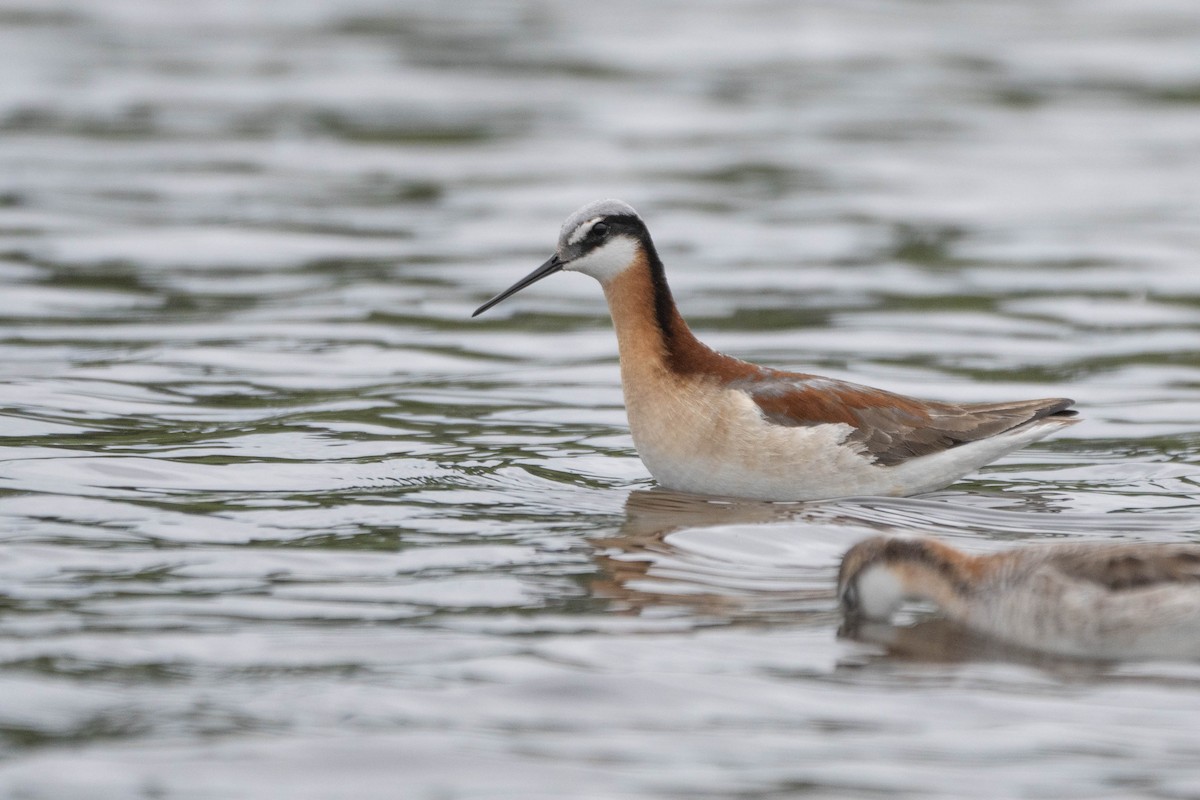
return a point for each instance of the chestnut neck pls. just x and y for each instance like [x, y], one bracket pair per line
[650, 329]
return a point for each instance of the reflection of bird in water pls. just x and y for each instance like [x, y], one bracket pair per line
[651, 514]
[1091, 600]
[642, 570]
[708, 423]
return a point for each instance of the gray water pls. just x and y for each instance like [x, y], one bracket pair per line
[279, 520]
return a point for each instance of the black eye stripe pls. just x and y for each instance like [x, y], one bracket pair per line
[602, 229]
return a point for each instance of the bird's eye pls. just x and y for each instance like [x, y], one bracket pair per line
[599, 229]
[850, 598]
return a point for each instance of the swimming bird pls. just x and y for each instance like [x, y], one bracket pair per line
[1093, 600]
[707, 423]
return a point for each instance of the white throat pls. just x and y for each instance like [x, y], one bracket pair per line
[880, 593]
[607, 261]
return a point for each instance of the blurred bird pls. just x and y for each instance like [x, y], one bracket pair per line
[1091, 600]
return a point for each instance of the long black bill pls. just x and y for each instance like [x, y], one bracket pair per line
[549, 268]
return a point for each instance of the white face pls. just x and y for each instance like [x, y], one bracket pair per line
[607, 261]
[880, 593]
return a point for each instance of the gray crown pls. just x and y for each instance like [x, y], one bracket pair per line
[600, 208]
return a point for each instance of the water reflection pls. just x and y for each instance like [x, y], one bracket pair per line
[934, 640]
[643, 571]
[925, 639]
[652, 514]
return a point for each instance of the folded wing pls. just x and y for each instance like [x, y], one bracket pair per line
[891, 428]
[1127, 568]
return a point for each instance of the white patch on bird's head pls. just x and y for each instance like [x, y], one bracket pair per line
[880, 592]
[580, 232]
[606, 261]
[578, 224]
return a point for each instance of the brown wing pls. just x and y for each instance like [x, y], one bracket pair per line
[1131, 566]
[891, 427]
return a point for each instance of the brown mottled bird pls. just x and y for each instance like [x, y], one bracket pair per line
[1094, 600]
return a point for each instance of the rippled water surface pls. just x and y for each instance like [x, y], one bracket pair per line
[279, 520]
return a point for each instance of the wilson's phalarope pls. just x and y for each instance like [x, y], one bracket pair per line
[707, 423]
[1096, 600]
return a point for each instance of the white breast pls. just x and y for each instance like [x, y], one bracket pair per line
[694, 437]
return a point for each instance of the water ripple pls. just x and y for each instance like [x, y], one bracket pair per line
[278, 517]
